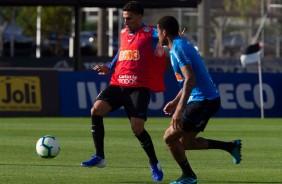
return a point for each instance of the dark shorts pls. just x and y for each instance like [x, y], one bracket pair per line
[197, 114]
[134, 100]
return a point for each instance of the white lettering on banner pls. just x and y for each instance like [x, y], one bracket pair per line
[81, 95]
[158, 102]
[92, 90]
[269, 101]
[228, 93]
[241, 90]
[227, 97]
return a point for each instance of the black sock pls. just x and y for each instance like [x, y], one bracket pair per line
[98, 134]
[147, 144]
[186, 169]
[227, 146]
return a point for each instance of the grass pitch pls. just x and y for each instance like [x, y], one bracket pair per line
[126, 161]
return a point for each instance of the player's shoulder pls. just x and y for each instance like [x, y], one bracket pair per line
[178, 42]
[183, 43]
[124, 30]
[147, 29]
[150, 31]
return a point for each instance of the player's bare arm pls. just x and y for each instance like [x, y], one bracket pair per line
[171, 105]
[189, 83]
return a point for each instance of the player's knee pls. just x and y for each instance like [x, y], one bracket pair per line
[137, 130]
[94, 111]
[99, 109]
[137, 125]
[167, 138]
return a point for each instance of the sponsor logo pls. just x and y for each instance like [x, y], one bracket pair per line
[129, 55]
[20, 93]
[127, 79]
[178, 77]
[146, 29]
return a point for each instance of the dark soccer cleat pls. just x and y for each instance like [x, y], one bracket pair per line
[236, 151]
[157, 173]
[185, 180]
[95, 161]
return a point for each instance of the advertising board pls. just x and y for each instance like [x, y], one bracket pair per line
[29, 93]
[239, 94]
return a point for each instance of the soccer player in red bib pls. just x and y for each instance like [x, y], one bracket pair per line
[139, 68]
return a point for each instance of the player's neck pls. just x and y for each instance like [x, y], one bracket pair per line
[137, 28]
[170, 41]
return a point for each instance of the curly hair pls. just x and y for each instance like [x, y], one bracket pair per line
[170, 24]
[134, 6]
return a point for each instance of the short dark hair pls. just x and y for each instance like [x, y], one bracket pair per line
[170, 24]
[134, 6]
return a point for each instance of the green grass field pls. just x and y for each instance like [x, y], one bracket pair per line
[126, 161]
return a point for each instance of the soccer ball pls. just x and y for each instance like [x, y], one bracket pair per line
[48, 146]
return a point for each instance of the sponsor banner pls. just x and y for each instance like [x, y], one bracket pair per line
[29, 93]
[78, 91]
[20, 93]
[239, 94]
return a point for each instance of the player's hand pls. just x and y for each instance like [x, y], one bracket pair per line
[102, 69]
[169, 108]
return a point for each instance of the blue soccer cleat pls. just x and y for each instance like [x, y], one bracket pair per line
[95, 161]
[185, 180]
[236, 151]
[157, 173]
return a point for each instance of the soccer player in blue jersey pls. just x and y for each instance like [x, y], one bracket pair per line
[197, 101]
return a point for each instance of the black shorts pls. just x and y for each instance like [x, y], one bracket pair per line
[197, 114]
[135, 100]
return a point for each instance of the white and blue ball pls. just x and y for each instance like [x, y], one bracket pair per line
[48, 146]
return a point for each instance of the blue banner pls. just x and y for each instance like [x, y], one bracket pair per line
[239, 94]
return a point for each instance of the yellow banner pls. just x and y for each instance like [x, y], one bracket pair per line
[20, 93]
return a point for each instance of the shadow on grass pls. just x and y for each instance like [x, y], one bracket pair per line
[38, 165]
[76, 165]
[141, 182]
[226, 182]
[133, 182]
[241, 182]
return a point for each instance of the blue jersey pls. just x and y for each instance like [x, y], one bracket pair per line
[183, 53]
